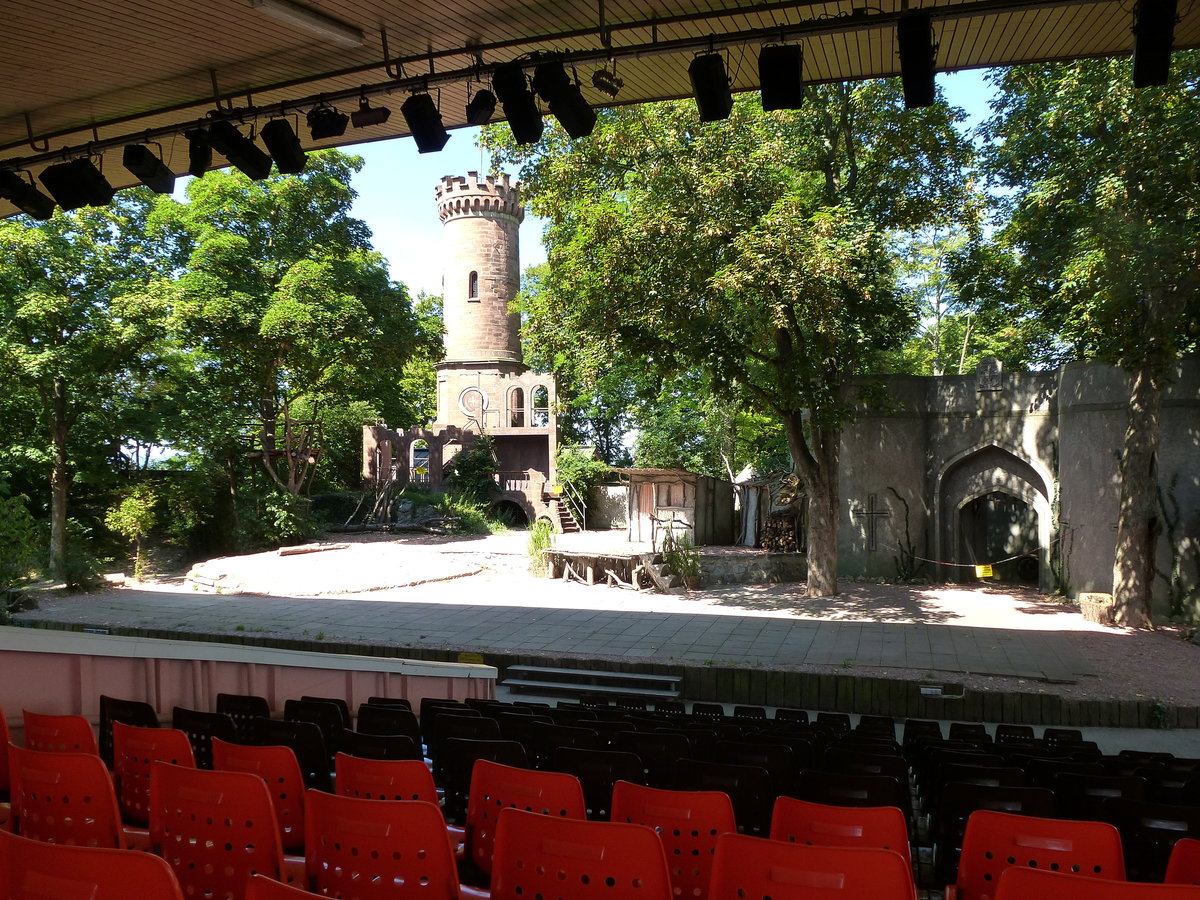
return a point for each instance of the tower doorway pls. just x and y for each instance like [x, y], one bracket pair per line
[996, 527]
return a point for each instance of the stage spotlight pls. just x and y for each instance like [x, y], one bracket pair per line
[24, 196]
[710, 85]
[781, 76]
[148, 168]
[284, 146]
[481, 108]
[520, 106]
[1154, 33]
[77, 183]
[241, 152]
[199, 152]
[326, 122]
[367, 115]
[424, 123]
[918, 59]
[564, 98]
[607, 82]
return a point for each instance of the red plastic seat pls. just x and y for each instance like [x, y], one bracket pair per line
[59, 734]
[1022, 883]
[277, 766]
[384, 779]
[378, 849]
[64, 798]
[995, 840]
[1184, 865]
[495, 787]
[538, 856]
[750, 867]
[880, 827]
[215, 829]
[5, 808]
[687, 822]
[259, 887]
[135, 750]
[34, 870]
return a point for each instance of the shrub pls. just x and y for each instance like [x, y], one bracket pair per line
[473, 470]
[541, 537]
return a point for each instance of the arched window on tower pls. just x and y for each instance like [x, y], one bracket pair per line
[540, 414]
[473, 286]
[516, 408]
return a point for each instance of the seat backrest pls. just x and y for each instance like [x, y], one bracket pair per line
[384, 779]
[215, 829]
[259, 887]
[377, 746]
[755, 867]
[538, 857]
[687, 822]
[378, 849]
[36, 870]
[992, 839]
[131, 712]
[1020, 883]
[306, 741]
[495, 787]
[277, 766]
[5, 739]
[245, 710]
[1184, 864]
[135, 750]
[201, 727]
[64, 798]
[342, 706]
[749, 787]
[1149, 831]
[598, 771]
[59, 734]
[821, 825]
[455, 766]
[375, 719]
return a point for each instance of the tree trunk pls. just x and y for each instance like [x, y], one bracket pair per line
[823, 503]
[60, 481]
[1133, 567]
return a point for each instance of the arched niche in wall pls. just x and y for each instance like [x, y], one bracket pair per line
[516, 408]
[540, 407]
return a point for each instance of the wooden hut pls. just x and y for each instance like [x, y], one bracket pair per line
[685, 502]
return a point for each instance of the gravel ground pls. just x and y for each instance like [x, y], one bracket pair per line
[1128, 664]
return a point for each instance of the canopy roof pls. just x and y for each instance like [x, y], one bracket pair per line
[110, 72]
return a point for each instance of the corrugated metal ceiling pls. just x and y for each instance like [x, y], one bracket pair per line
[79, 71]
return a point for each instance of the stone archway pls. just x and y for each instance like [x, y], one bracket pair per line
[990, 501]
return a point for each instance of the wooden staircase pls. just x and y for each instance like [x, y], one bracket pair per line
[567, 524]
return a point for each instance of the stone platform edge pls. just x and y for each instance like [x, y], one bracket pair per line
[755, 686]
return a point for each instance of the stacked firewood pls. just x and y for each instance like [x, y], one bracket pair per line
[779, 533]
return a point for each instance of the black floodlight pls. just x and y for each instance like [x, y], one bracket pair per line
[710, 85]
[367, 115]
[284, 146]
[77, 183]
[199, 152]
[326, 122]
[1154, 33]
[148, 168]
[564, 98]
[241, 152]
[918, 59]
[781, 76]
[424, 123]
[606, 81]
[481, 108]
[520, 106]
[24, 196]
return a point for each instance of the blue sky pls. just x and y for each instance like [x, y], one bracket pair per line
[396, 191]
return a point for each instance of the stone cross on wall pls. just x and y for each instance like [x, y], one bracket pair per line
[872, 512]
[988, 373]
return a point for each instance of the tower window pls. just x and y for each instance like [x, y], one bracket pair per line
[473, 286]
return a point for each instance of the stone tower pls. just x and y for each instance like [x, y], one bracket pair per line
[480, 221]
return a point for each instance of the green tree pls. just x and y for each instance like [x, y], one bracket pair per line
[79, 331]
[1103, 240]
[134, 517]
[285, 311]
[754, 251]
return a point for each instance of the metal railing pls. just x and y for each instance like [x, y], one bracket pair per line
[576, 504]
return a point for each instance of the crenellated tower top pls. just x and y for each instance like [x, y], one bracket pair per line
[475, 196]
